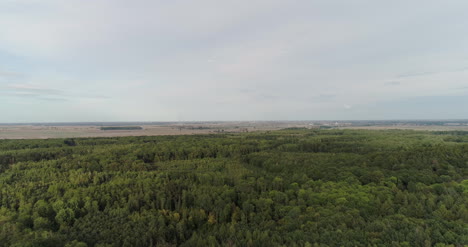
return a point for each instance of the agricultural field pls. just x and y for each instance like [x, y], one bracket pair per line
[70, 130]
[293, 187]
[40, 131]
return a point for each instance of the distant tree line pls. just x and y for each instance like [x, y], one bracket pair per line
[122, 128]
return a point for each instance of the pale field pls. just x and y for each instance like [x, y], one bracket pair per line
[409, 127]
[48, 132]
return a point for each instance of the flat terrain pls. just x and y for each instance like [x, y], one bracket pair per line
[50, 131]
[67, 130]
[409, 127]
[45, 132]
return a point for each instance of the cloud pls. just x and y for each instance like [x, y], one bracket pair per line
[327, 96]
[4, 73]
[34, 91]
[428, 73]
[392, 83]
[220, 60]
[29, 89]
[416, 74]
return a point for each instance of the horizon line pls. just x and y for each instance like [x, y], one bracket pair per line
[233, 121]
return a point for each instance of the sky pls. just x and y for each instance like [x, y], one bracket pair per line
[208, 60]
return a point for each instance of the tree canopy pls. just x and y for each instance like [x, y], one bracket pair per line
[293, 187]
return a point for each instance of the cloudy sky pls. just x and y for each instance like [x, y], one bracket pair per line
[154, 60]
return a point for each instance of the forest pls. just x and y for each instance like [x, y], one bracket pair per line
[293, 187]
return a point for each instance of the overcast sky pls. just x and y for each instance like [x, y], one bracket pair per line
[154, 60]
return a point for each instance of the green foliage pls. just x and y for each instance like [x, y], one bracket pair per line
[295, 187]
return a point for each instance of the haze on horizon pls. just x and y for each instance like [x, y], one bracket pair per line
[142, 60]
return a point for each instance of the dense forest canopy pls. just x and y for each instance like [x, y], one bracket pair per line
[294, 187]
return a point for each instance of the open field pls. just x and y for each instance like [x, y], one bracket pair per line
[51, 131]
[45, 132]
[409, 127]
[67, 130]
